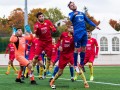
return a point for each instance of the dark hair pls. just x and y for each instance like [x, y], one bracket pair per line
[39, 13]
[18, 28]
[69, 3]
[89, 31]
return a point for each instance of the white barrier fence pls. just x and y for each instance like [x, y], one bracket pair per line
[4, 60]
[101, 60]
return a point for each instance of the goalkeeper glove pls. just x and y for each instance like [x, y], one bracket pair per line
[14, 30]
[28, 29]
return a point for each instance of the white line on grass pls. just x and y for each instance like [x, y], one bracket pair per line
[104, 83]
[113, 84]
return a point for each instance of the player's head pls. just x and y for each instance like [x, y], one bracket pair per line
[40, 16]
[72, 6]
[89, 33]
[19, 32]
[53, 40]
[70, 28]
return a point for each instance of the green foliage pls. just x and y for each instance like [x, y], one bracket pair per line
[54, 14]
[62, 28]
[56, 34]
[3, 43]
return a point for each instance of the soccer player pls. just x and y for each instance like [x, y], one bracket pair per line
[78, 20]
[54, 54]
[66, 56]
[10, 48]
[43, 29]
[91, 53]
[27, 50]
[34, 44]
[54, 60]
[19, 45]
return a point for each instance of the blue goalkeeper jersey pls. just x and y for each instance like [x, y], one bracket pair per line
[79, 22]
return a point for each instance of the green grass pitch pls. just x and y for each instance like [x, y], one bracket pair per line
[105, 78]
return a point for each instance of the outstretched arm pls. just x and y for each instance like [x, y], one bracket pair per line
[90, 22]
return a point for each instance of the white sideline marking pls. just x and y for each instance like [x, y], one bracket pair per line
[113, 84]
[104, 83]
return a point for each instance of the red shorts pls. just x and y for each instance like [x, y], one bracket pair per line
[11, 57]
[40, 58]
[44, 46]
[89, 58]
[53, 58]
[31, 56]
[65, 59]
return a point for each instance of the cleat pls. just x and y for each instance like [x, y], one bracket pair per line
[72, 79]
[41, 78]
[19, 80]
[53, 87]
[50, 79]
[33, 82]
[91, 78]
[86, 85]
[44, 74]
[75, 78]
[52, 84]
[7, 73]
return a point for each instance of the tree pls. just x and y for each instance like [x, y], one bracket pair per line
[4, 27]
[16, 18]
[54, 14]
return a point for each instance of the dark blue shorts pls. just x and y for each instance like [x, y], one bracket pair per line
[80, 39]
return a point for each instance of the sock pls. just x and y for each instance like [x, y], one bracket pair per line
[41, 71]
[75, 58]
[47, 65]
[14, 68]
[91, 68]
[37, 67]
[34, 63]
[8, 69]
[43, 59]
[56, 77]
[82, 56]
[31, 75]
[82, 75]
[71, 72]
[26, 71]
[76, 75]
[51, 68]
[19, 74]
[55, 71]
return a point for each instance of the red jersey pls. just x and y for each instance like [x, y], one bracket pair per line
[11, 49]
[43, 30]
[54, 49]
[67, 43]
[92, 47]
[35, 43]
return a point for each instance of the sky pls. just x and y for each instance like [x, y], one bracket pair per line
[100, 9]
